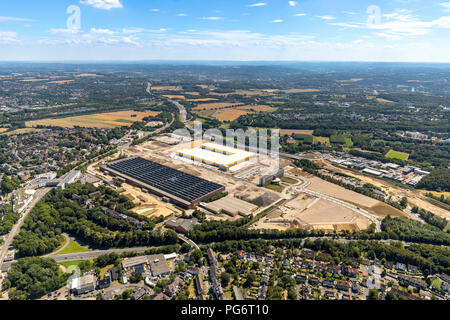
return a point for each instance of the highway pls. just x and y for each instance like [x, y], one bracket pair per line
[15, 230]
[85, 255]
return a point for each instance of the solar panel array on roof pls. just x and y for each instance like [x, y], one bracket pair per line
[182, 185]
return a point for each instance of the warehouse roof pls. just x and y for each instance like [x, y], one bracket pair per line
[163, 179]
[217, 154]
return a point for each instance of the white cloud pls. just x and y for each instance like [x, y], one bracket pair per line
[102, 31]
[132, 30]
[14, 19]
[103, 4]
[277, 21]
[292, 3]
[259, 4]
[346, 25]
[182, 15]
[212, 18]
[300, 14]
[403, 24]
[156, 10]
[326, 17]
[7, 37]
[399, 24]
[64, 31]
[446, 6]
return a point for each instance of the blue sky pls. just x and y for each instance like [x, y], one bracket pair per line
[302, 30]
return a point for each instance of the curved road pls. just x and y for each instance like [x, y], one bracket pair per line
[306, 183]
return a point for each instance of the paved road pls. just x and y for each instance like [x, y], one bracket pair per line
[306, 183]
[15, 230]
[188, 241]
[85, 255]
[66, 236]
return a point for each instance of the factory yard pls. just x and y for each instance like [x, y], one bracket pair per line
[148, 205]
[309, 212]
[415, 197]
[164, 151]
[335, 191]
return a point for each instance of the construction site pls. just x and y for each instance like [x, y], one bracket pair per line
[167, 176]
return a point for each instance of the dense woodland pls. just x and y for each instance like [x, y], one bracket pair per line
[58, 212]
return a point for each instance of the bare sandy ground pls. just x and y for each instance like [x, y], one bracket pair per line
[415, 197]
[335, 191]
[313, 213]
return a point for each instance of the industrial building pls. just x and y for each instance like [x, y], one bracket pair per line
[216, 155]
[231, 206]
[267, 179]
[181, 225]
[83, 284]
[70, 178]
[181, 188]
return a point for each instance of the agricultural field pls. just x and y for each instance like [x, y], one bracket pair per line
[167, 88]
[201, 100]
[295, 131]
[174, 96]
[258, 108]
[216, 106]
[384, 100]
[99, 120]
[61, 81]
[397, 155]
[19, 131]
[301, 90]
[229, 114]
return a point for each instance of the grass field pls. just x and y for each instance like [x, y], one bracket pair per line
[73, 247]
[322, 140]
[397, 155]
[349, 142]
[275, 187]
[436, 284]
[98, 120]
[289, 180]
[67, 264]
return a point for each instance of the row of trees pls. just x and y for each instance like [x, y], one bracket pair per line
[401, 228]
[431, 218]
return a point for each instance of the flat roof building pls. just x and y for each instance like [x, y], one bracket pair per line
[182, 188]
[83, 284]
[231, 206]
[216, 155]
[158, 265]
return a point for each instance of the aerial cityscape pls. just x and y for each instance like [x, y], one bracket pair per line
[128, 172]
